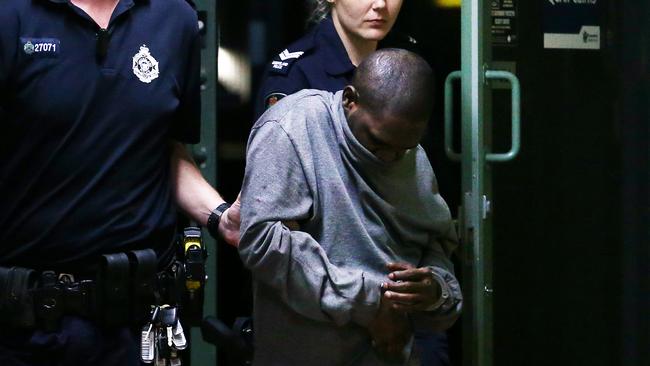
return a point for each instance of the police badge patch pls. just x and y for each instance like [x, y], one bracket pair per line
[273, 98]
[145, 67]
[40, 47]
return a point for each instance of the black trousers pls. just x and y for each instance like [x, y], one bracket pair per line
[77, 342]
[432, 348]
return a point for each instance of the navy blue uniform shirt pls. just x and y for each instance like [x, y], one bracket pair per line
[86, 125]
[318, 60]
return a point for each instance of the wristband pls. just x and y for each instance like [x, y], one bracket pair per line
[215, 218]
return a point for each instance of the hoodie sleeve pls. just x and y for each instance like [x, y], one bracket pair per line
[437, 258]
[292, 262]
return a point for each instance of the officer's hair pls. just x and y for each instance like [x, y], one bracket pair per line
[321, 8]
[395, 82]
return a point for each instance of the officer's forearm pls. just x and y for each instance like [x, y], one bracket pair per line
[193, 194]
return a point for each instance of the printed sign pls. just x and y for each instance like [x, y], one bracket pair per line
[572, 24]
[504, 22]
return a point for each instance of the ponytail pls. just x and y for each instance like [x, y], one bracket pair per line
[321, 9]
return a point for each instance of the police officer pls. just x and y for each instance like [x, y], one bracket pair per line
[346, 31]
[325, 58]
[97, 98]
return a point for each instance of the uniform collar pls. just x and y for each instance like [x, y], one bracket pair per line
[125, 1]
[121, 7]
[336, 59]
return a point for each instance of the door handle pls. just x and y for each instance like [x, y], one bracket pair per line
[515, 92]
[449, 118]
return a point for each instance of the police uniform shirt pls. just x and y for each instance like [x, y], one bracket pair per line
[86, 123]
[318, 60]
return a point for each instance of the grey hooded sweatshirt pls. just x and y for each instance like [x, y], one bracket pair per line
[317, 288]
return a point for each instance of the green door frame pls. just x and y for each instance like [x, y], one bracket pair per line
[476, 178]
[203, 353]
[477, 321]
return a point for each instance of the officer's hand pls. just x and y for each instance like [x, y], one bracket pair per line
[411, 289]
[390, 331]
[230, 222]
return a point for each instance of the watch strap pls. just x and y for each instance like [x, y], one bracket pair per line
[215, 218]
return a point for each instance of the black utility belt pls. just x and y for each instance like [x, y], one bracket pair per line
[121, 293]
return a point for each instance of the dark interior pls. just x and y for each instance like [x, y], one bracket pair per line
[571, 233]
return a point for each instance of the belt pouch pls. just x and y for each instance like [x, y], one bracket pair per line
[143, 267]
[170, 284]
[48, 301]
[114, 289]
[178, 289]
[16, 296]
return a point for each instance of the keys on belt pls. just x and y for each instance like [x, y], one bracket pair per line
[162, 337]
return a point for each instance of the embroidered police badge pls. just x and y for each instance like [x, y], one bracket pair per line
[145, 67]
[28, 47]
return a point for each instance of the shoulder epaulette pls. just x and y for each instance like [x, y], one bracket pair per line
[281, 64]
[284, 60]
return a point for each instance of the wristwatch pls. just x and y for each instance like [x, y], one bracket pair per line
[215, 218]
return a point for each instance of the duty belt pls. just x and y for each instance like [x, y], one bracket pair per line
[121, 293]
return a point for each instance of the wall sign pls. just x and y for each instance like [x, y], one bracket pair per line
[504, 22]
[572, 24]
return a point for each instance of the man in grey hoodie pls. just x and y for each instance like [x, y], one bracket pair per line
[343, 228]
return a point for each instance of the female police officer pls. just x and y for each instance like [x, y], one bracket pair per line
[347, 31]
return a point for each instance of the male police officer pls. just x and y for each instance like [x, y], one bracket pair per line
[96, 99]
[370, 261]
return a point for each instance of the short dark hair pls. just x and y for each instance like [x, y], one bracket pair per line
[396, 82]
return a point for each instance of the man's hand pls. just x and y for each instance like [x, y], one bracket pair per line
[390, 331]
[412, 289]
[229, 224]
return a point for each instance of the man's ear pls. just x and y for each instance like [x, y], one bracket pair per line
[350, 98]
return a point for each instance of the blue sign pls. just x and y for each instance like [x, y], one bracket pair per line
[573, 24]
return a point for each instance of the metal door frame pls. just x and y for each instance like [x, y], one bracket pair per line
[201, 352]
[476, 178]
[477, 321]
